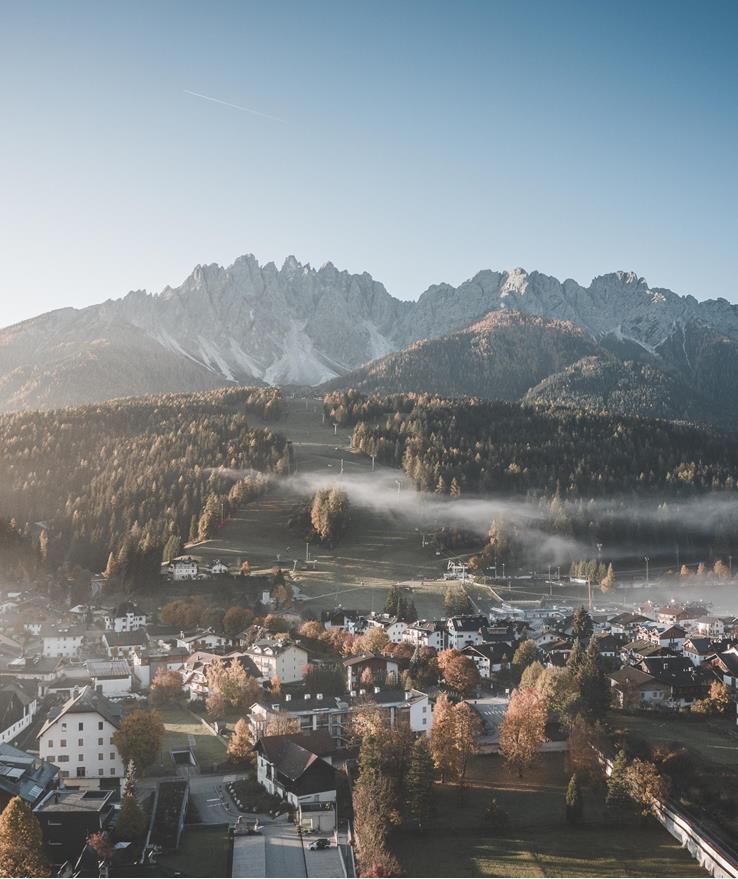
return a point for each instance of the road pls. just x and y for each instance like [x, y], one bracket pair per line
[285, 855]
[492, 709]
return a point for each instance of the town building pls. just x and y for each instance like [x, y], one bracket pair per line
[281, 658]
[68, 816]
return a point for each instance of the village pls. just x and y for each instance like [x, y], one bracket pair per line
[182, 737]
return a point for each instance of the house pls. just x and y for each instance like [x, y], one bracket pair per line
[281, 658]
[125, 618]
[383, 669]
[607, 645]
[184, 568]
[202, 639]
[465, 630]
[314, 711]
[78, 737]
[677, 614]
[426, 633]
[714, 627]
[113, 677]
[293, 767]
[24, 775]
[626, 623]
[725, 664]
[124, 643]
[698, 648]
[490, 658]
[634, 689]
[146, 663]
[18, 706]
[686, 683]
[43, 670]
[64, 641]
[218, 568]
[394, 628]
[68, 816]
[672, 637]
[341, 619]
[195, 671]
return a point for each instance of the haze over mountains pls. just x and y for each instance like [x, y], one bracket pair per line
[616, 344]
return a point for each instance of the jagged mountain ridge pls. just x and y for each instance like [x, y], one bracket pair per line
[257, 323]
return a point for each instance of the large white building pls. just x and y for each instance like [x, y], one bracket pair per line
[126, 618]
[281, 658]
[185, 568]
[64, 641]
[78, 738]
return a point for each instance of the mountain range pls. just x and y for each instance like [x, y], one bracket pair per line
[617, 343]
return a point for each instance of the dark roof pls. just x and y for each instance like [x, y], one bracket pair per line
[495, 652]
[75, 800]
[729, 658]
[319, 743]
[631, 677]
[12, 702]
[296, 763]
[468, 623]
[137, 638]
[627, 619]
[676, 671]
[24, 775]
[87, 700]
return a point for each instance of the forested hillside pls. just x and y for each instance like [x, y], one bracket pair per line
[586, 474]
[132, 476]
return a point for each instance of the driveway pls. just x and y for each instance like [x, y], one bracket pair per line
[492, 709]
[284, 850]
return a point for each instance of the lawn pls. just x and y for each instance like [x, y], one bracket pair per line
[715, 739]
[203, 851]
[539, 842]
[183, 730]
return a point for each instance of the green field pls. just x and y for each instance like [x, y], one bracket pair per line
[183, 730]
[539, 841]
[204, 851]
[714, 739]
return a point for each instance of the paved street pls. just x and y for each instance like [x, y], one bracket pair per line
[284, 850]
[492, 709]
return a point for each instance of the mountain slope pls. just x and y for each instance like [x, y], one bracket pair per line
[499, 357]
[252, 323]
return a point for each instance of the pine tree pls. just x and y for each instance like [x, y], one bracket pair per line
[131, 824]
[582, 625]
[618, 796]
[574, 802]
[594, 689]
[576, 657]
[21, 842]
[419, 784]
[241, 743]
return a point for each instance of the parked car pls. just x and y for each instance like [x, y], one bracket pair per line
[319, 844]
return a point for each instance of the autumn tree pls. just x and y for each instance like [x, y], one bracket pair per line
[236, 619]
[526, 653]
[166, 686]
[646, 785]
[241, 743]
[582, 625]
[459, 672]
[132, 822]
[139, 737]
[523, 729]
[372, 641]
[594, 688]
[618, 797]
[445, 757]
[21, 842]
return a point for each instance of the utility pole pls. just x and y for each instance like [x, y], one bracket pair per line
[730, 559]
[335, 429]
[550, 584]
[307, 551]
[341, 469]
[646, 559]
[589, 592]
[372, 463]
[399, 486]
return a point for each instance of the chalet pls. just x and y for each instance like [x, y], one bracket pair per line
[634, 689]
[202, 639]
[147, 662]
[394, 628]
[383, 669]
[315, 711]
[281, 658]
[195, 671]
[64, 641]
[490, 658]
[78, 737]
[678, 614]
[687, 683]
[725, 664]
[626, 623]
[112, 677]
[608, 645]
[43, 670]
[341, 619]
[672, 637]
[635, 651]
[24, 775]
[710, 626]
[18, 706]
[67, 817]
[125, 618]
[465, 630]
[296, 768]
[698, 648]
[124, 643]
[184, 568]
[557, 652]
[218, 568]
[426, 633]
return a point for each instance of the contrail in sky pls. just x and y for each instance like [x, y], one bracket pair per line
[235, 106]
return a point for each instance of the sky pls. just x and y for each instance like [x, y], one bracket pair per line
[418, 141]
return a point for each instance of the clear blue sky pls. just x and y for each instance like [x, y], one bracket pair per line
[418, 141]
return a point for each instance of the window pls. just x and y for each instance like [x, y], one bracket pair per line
[62, 758]
[50, 758]
[111, 740]
[64, 727]
[81, 743]
[63, 743]
[49, 744]
[81, 726]
[100, 757]
[101, 772]
[80, 758]
[112, 771]
[100, 741]
[112, 756]
[80, 772]
[100, 724]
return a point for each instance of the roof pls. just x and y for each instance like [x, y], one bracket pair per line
[75, 800]
[57, 631]
[270, 647]
[676, 671]
[112, 668]
[296, 763]
[23, 774]
[673, 632]
[493, 651]
[136, 638]
[30, 665]
[467, 623]
[319, 743]
[627, 619]
[86, 701]
[12, 702]
[629, 678]
[729, 658]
